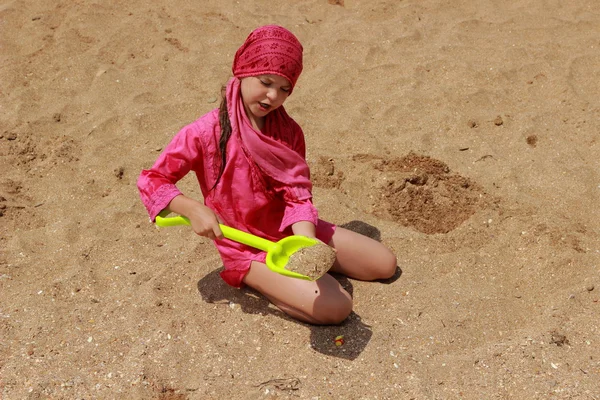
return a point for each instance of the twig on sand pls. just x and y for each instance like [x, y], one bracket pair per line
[281, 383]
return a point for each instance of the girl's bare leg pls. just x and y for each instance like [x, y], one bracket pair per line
[320, 302]
[361, 257]
[324, 301]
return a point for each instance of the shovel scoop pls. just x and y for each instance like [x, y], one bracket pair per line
[278, 253]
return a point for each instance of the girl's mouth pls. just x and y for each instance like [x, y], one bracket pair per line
[264, 107]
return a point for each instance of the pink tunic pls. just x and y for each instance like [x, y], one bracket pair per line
[247, 199]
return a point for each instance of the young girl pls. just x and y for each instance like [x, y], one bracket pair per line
[249, 159]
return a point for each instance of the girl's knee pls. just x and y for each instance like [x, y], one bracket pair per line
[383, 266]
[388, 266]
[332, 310]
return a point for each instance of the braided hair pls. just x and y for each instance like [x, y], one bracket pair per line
[225, 134]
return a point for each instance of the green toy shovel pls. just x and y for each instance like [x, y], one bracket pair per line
[278, 253]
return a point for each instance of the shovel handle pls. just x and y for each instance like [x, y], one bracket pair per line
[229, 232]
[171, 221]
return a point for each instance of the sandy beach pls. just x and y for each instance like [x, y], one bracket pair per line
[464, 135]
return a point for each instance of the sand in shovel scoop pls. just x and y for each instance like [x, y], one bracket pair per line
[313, 261]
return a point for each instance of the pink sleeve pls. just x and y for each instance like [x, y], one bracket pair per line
[157, 184]
[298, 211]
[302, 210]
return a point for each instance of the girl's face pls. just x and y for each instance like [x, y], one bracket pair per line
[262, 94]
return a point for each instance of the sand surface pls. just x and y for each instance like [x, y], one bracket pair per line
[462, 134]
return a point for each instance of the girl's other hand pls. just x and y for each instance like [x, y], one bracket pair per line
[304, 228]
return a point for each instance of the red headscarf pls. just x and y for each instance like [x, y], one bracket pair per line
[270, 49]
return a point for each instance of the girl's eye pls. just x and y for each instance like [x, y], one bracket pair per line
[268, 84]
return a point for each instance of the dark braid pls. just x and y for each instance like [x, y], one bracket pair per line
[225, 133]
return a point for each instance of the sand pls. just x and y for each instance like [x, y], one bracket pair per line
[312, 261]
[462, 134]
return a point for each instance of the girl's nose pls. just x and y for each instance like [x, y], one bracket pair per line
[272, 94]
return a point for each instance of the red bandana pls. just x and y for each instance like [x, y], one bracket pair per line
[269, 49]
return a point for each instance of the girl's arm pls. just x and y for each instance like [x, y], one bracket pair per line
[304, 228]
[157, 185]
[301, 215]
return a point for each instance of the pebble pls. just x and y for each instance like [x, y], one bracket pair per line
[211, 100]
[589, 288]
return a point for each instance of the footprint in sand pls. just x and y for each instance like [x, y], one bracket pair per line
[584, 77]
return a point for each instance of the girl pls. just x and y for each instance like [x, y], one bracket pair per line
[249, 159]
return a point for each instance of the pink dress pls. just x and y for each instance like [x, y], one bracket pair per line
[245, 198]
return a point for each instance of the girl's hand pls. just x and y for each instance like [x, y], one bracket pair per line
[204, 221]
[304, 228]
